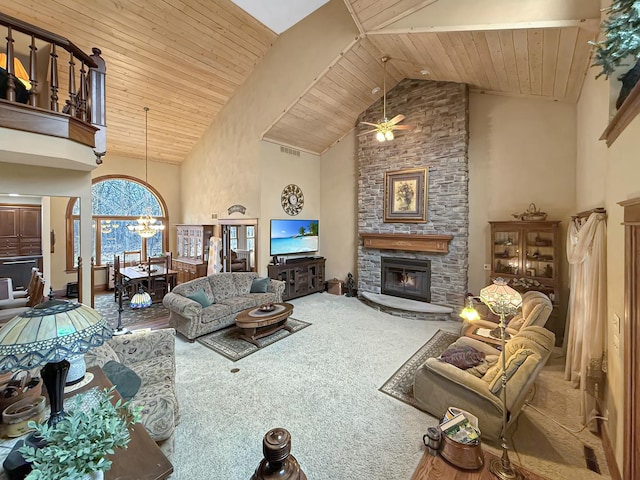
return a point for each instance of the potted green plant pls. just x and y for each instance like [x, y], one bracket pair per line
[621, 31]
[76, 447]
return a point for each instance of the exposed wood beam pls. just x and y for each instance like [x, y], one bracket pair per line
[590, 24]
[355, 18]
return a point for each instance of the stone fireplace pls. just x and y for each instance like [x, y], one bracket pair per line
[439, 142]
[407, 278]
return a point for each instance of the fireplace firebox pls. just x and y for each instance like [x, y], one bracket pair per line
[407, 278]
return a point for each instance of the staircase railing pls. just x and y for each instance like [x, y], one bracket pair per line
[83, 86]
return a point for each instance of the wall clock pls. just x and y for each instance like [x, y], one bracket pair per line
[292, 199]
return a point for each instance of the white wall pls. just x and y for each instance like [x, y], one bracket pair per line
[339, 202]
[226, 166]
[520, 151]
[607, 176]
[278, 170]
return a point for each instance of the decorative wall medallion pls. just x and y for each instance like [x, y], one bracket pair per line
[292, 199]
[236, 209]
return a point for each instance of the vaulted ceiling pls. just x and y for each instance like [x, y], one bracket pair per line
[184, 59]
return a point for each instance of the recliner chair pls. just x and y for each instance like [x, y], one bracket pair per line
[536, 309]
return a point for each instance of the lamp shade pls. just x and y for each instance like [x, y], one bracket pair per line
[50, 332]
[501, 298]
[140, 300]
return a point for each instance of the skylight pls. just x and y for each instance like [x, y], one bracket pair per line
[279, 15]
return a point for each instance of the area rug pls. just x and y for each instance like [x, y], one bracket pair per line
[108, 308]
[228, 343]
[400, 385]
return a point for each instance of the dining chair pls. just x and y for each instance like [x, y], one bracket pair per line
[132, 258]
[158, 283]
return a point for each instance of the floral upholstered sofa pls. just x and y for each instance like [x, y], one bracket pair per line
[225, 295]
[151, 355]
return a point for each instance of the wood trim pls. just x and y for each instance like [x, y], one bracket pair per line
[623, 117]
[408, 242]
[17, 116]
[631, 332]
[609, 454]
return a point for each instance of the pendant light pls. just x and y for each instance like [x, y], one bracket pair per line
[147, 226]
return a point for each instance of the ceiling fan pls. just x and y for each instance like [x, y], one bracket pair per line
[384, 129]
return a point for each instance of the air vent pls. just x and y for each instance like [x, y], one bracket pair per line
[289, 151]
[590, 457]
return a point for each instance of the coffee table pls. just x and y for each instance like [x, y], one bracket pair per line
[256, 324]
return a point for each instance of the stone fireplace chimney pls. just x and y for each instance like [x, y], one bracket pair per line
[439, 142]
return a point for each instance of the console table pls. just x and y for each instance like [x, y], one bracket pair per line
[300, 276]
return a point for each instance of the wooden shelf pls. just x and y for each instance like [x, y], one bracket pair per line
[624, 116]
[409, 242]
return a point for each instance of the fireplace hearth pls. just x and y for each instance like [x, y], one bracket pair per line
[407, 278]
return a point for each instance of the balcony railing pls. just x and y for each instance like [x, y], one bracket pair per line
[62, 100]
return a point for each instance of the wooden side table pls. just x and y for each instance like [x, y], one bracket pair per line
[142, 458]
[471, 333]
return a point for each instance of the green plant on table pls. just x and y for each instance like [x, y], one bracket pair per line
[77, 445]
[621, 30]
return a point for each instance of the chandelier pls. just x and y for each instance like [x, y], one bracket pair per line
[106, 226]
[146, 225]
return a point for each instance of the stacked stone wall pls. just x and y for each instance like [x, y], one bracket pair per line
[439, 111]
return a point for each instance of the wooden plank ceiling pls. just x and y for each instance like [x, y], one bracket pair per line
[184, 59]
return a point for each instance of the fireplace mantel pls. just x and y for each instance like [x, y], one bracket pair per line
[407, 241]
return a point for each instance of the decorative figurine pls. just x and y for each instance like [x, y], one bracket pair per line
[548, 271]
[351, 285]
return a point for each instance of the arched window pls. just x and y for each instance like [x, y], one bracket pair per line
[117, 201]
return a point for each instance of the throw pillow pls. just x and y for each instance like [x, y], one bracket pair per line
[126, 381]
[200, 297]
[260, 285]
[462, 357]
[482, 368]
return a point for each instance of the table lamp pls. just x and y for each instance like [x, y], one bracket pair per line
[46, 335]
[502, 300]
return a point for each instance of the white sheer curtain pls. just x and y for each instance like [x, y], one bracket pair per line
[586, 253]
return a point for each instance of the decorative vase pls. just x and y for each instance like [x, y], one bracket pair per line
[99, 475]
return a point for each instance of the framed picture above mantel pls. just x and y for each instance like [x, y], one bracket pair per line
[405, 195]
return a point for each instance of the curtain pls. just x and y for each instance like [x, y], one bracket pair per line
[587, 312]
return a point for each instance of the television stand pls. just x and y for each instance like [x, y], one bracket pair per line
[301, 276]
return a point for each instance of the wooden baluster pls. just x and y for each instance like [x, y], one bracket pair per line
[72, 86]
[82, 103]
[93, 282]
[11, 85]
[54, 79]
[33, 73]
[80, 279]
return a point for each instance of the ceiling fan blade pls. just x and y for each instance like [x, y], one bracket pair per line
[403, 127]
[368, 123]
[397, 119]
[368, 131]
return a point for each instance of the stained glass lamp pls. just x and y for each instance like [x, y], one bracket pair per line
[46, 335]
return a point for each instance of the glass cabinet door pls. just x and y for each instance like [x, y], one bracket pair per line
[539, 254]
[506, 252]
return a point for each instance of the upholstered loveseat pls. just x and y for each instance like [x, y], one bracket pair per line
[227, 293]
[439, 385]
[151, 355]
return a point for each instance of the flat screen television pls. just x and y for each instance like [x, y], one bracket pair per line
[291, 236]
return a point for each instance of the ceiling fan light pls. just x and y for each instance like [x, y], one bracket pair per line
[380, 137]
[388, 135]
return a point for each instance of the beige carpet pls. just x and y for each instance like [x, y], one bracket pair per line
[322, 385]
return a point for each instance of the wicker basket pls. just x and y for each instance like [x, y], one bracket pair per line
[532, 214]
